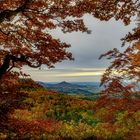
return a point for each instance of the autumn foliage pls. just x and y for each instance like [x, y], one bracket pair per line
[27, 110]
[25, 26]
[123, 75]
[44, 114]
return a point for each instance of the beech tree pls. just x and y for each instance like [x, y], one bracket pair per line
[25, 26]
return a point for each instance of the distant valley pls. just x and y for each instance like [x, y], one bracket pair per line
[82, 88]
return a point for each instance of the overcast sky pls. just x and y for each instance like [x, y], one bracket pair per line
[86, 50]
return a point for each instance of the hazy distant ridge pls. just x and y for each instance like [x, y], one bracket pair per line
[85, 88]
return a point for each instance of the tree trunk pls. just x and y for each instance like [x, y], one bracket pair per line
[5, 65]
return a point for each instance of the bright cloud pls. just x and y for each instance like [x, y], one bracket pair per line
[77, 74]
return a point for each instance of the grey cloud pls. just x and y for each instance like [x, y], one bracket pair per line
[86, 49]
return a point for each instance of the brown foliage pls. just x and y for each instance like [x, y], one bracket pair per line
[25, 25]
[25, 40]
[123, 75]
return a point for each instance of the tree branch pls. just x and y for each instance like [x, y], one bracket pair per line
[6, 14]
[6, 63]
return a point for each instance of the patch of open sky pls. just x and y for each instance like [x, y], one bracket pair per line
[86, 50]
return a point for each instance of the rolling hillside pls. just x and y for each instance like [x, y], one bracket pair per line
[73, 88]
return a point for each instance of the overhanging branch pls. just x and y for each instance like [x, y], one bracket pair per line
[6, 14]
[8, 58]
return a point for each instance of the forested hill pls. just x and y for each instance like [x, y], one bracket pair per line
[38, 113]
[84, 88]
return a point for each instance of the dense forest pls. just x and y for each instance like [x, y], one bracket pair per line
[28, 111]
[37, 113]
